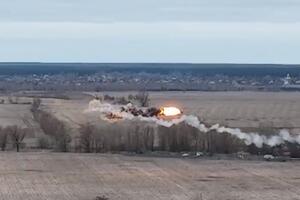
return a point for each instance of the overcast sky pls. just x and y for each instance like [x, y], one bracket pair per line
[193, 31]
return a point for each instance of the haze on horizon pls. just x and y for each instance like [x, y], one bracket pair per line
[193, 31]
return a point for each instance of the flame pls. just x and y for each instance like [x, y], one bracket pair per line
[170, 111]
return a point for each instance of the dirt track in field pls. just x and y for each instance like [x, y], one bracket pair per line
[59, 176]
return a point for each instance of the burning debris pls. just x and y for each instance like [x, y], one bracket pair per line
[148, 112]
[168, 116]
[128, 111]
[170, 111]
[112, 116]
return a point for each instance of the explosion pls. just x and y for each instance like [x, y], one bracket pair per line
[170, 111]
[169, 116]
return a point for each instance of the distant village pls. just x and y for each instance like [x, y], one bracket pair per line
[123, 81]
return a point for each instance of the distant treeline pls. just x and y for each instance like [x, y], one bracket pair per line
[254, 70]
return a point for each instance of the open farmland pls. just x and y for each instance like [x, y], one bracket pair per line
[235, 109]
[20, 115]
[246, 110]
[238, 109]
[52, 176]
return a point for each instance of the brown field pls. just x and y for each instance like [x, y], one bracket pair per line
[234, 109]
[67, 176]
[239, 109]
[70, 176]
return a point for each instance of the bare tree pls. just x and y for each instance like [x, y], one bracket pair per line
[35, 104]
[44, 142]
[62, 138]
[143, 98]
[86, 137]
[17, 135]
[63, 141]
[3, 138]
[148, 138]
[54, 128]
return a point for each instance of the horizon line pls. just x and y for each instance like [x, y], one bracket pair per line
[161, 63]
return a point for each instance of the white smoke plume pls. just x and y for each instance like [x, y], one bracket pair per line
[249, 138]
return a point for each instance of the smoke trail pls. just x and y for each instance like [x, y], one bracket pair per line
[249, 138]
[188, 119]
[259, 140]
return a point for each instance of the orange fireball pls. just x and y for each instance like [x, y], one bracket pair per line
[170, 111]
